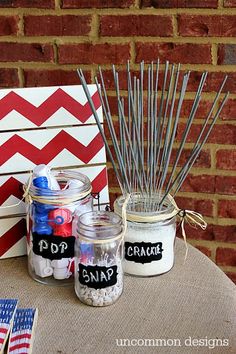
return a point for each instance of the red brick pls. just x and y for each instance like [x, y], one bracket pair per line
[215, 80]
[227, 208]
[8, 25]
[187, 53]
[226, 256]
[196, 233]
[213, 232]
[81, 4]
[9, 78]
[203, 160]
[180, 3]
[207, 26]
[86, 53]
[114, 107]
[200, 183]
[112, 180]
[201, 112]
[53, 77]
[116, 127]
[68, 25]
[227, 54]
[109, 80]
[229, 110]
[226, 159]
[223, 134]
[232, 275]
[225, 185]
[204, 250]
[40, 4]
[113, 196]
[26, 52]
[226, 233]
[220, 134]
[131, 25]
[202, 206]
[229, 3]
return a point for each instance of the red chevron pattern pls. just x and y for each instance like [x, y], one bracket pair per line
[61, 141]
[14, 187]
[12, 236]
[38, 115]
[100, 181]
[11, 187]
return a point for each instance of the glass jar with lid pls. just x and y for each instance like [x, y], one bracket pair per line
[52, 215]
[150, 235]
[98, 258]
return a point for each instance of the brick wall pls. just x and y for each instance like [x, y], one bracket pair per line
[43, 42]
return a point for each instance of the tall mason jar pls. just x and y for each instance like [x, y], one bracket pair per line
[52, 218]
[150, 235]
[98, 256]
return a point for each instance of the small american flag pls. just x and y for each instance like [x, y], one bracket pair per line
[7, 311]
[22, 332]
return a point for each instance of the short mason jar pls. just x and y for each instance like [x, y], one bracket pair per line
[52, 218]
[148, 244]
[98, 258]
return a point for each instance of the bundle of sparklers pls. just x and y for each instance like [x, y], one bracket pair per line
[144, 160]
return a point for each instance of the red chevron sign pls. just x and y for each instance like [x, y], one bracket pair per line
[45, 125]
[61, 141]
[12, 236]
[100, 181]
[13, 187]
[38, 115]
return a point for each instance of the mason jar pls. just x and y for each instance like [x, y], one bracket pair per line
[150, 235]
[52, 218]
[98, 258]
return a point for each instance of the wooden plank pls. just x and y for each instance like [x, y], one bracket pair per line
[25, 108]
[12, 237]
[11, 188]
[74, 146]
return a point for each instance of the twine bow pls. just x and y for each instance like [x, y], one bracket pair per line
[193, 219]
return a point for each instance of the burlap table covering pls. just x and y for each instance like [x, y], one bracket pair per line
[193, 300]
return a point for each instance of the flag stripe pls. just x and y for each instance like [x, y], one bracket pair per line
[20, 336]
[19, 346]
[3, 330]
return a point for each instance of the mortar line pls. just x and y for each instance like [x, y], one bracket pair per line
[21, 77]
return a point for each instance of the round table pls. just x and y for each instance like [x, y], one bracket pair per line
[190, 309]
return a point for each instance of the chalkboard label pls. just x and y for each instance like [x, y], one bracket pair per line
[143, 252]
[97, 277]
[53, 247]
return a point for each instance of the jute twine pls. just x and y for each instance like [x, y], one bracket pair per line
[191, 217]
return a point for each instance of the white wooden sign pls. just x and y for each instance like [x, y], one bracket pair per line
[45, 125]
